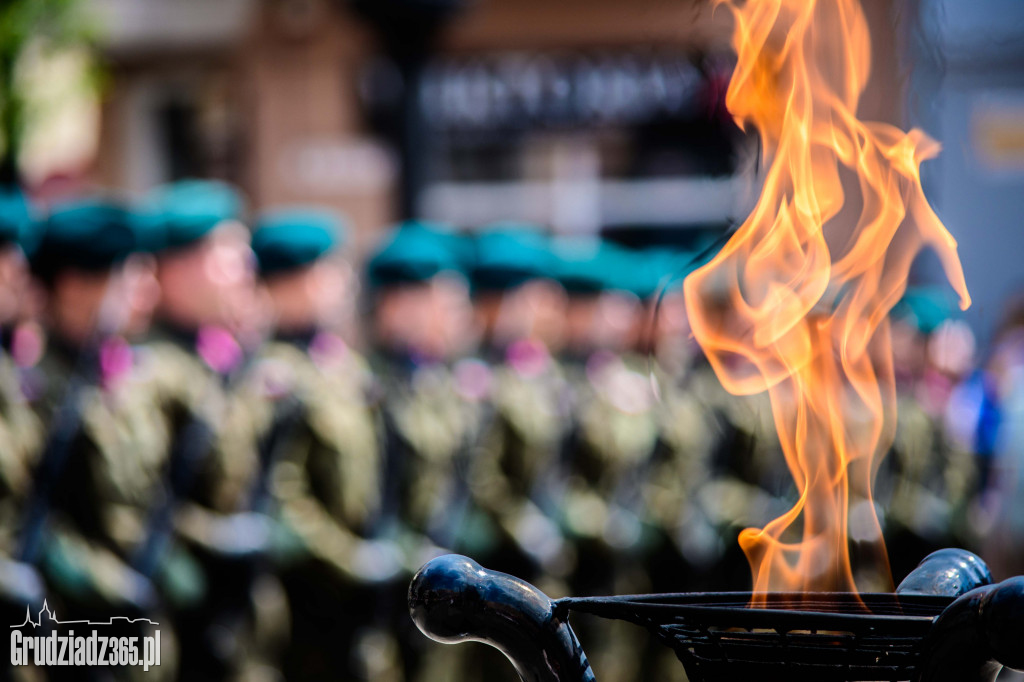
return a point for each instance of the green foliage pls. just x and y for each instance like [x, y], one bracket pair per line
[26, 25]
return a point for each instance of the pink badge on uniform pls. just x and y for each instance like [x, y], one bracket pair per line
[218, 349]
[472, 379]
[115, 360]
[327, 349]
[528, 358]
[27, 344]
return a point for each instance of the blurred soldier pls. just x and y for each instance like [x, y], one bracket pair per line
[601, 313]
[434, 400]
[515, 295]
[97, 467]
[206, 319]
[679, 543]
[612, 408]
[927, 479]
[748, 481]
[683, 544]
[420, 298]
[321, 446]
[516, 476]
[20, 432]
[613, 438]
[1002, 502]
[422, 323]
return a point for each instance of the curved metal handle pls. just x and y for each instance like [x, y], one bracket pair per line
[453, 599]
[977, 634]
[947, 573]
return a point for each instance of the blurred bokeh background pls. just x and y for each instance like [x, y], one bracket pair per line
[565, 121]
[585, 116]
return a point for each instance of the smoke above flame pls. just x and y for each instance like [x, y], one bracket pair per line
[797, 302]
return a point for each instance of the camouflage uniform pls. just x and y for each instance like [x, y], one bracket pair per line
[603, 511]
[196, 366]
[102, 474]
[749, 482]
[434, 414]
[612, 437]
[328, 481]
[194, 377]
[21, 433]
[517, 477]
[687, 544]
[926, 481]
[432, 409]
[326, 489]
[322, 421]
[109, 478]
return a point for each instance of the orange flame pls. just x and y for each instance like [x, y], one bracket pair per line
[797, 302]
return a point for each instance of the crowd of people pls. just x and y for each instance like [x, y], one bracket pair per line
[226, 426]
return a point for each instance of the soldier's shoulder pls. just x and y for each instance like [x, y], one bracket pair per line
[165, 363]
[158, 354]
[617, 382]
[278, 368]
[324, 380]
[169, 373]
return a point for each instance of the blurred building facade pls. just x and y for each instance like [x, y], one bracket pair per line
[584, 115]
[577, 114]
[968, 92]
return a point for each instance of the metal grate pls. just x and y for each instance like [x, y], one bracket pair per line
[795, 636]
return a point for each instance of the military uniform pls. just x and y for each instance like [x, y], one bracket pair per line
[748, 481]
[434, 405]
[325, 482]
[21, 436]
[610, 438]
[21, 432]
[514, 473]
[202, 518]
[517, 477]
[431, 401]
[103, 447]
[926, 481]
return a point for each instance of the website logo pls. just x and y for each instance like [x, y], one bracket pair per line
[61, 646]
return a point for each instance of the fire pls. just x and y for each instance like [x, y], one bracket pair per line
[797, 302]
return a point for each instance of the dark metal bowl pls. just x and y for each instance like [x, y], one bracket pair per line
[790, 636]
[946, 622]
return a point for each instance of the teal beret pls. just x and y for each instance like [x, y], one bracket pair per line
[149, 229]
[289, 238]
[188, 210]
[416, 252]
[925, 307]
[508, 255]
[662, 270]
[87, 235]
[16, 219]
[636, 272]
[459, 246]
[589, 266]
